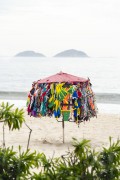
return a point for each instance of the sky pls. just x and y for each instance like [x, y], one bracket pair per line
[51, 26]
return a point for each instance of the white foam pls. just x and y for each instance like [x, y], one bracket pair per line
[17, 103]
[102, 108]
[109, 108]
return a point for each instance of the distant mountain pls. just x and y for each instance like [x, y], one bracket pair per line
[71, 53]
[29, 54]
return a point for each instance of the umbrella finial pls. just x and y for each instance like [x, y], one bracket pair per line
[60, 72]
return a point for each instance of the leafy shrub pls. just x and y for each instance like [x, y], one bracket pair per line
[15, 165]
[13, 118]
[81, 164]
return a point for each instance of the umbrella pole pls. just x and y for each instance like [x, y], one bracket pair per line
[63, 129]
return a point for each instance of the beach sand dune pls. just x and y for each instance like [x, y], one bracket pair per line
[47, 133]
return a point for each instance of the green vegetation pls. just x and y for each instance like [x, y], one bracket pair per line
[83, 163]
[13, 118]
[17, 166]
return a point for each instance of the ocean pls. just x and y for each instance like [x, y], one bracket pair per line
[18, 73]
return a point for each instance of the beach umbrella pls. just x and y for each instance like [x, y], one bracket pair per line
[57, 80]
[62, 77]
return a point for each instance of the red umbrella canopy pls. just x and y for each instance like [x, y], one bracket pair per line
[62, 77]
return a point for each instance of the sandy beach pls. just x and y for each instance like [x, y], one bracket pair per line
[47, 133]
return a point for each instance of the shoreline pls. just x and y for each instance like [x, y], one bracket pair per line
[106, 108]
[105, 98]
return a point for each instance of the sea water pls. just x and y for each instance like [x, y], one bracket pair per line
[17, 75]
[102, 108]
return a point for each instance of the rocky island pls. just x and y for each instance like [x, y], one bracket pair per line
[71, 53]
[29, 54]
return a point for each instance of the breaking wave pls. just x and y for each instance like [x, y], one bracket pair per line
[112, 98]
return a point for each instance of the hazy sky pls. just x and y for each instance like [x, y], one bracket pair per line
[50, 26]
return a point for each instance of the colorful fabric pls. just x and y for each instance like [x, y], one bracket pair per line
[50, 99]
